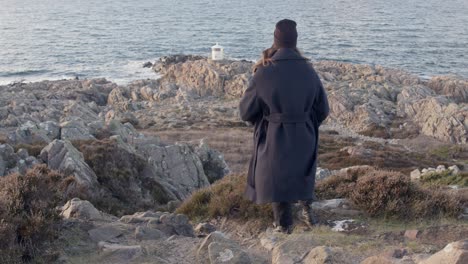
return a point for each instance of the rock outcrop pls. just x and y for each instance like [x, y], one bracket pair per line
[176, 167]
[11, 162]
[194, 91]
[63, 156]
[214, 165]
[156, 237]
[81, 209]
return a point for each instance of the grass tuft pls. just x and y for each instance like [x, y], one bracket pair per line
[224, 198]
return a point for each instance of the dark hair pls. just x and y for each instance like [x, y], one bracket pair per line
[267, 54]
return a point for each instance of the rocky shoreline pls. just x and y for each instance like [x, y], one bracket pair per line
[196, 92]
[107, 140]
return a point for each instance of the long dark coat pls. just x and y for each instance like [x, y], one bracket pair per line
[286, 102]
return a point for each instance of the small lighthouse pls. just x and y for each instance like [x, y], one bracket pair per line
[217, 52]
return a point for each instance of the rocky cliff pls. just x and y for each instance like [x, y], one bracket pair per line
[103, 138]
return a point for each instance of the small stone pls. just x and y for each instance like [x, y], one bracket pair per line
[120, 253]
[202, 252]
[227, 253]
[454, 169]
[321, 174]
[173, 205]
[412, 234]
[348, 226]
[379, 260]
[415, 175]
[204, 229]
[146, 233]
[147, 64]
[329, 204]
[22, 153]
[2, 167]
[326, 255]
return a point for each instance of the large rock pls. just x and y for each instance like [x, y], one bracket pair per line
[176, 167]
[454, 88]
[75, 130]
[293, 249]
[438, 117]
[63, 156]
[8, 158]
[126, 131]
[81, 209]
[118, 100]
[453, 253]
[214, 165]
[80, 110]
[11, 162]
[29, 133]
[199, 76]
[51, 128]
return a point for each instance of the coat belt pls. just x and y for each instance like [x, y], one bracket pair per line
[288, 117]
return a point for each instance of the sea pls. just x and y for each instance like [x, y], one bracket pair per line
[61, 39]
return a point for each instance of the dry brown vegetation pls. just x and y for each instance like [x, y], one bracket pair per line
[28, 219]
[224, 198]
[378, 193]
[388, 194]
[3, 138]
[33, 149]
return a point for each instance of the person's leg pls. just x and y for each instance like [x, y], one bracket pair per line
[308, 216]
[282, 213]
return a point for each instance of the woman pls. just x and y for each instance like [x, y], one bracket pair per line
[286, 102]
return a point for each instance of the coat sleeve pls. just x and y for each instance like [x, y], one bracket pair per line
[249, 106]
[321, 106]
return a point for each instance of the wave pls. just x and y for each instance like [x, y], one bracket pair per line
[23, 73]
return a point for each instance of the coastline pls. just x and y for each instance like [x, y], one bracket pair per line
[136, 71]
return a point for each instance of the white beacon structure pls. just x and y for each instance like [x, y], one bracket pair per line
[217, 52]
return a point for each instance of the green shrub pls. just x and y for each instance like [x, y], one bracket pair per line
[445, 178]
[28, 219]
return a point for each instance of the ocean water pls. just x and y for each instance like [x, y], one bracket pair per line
[54, 39]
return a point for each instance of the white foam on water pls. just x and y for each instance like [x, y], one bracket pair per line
[121, 73]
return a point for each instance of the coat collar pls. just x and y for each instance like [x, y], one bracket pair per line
[287, 54]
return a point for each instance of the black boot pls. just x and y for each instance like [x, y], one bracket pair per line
[282, 229]
[283, 217]
[307, 215]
